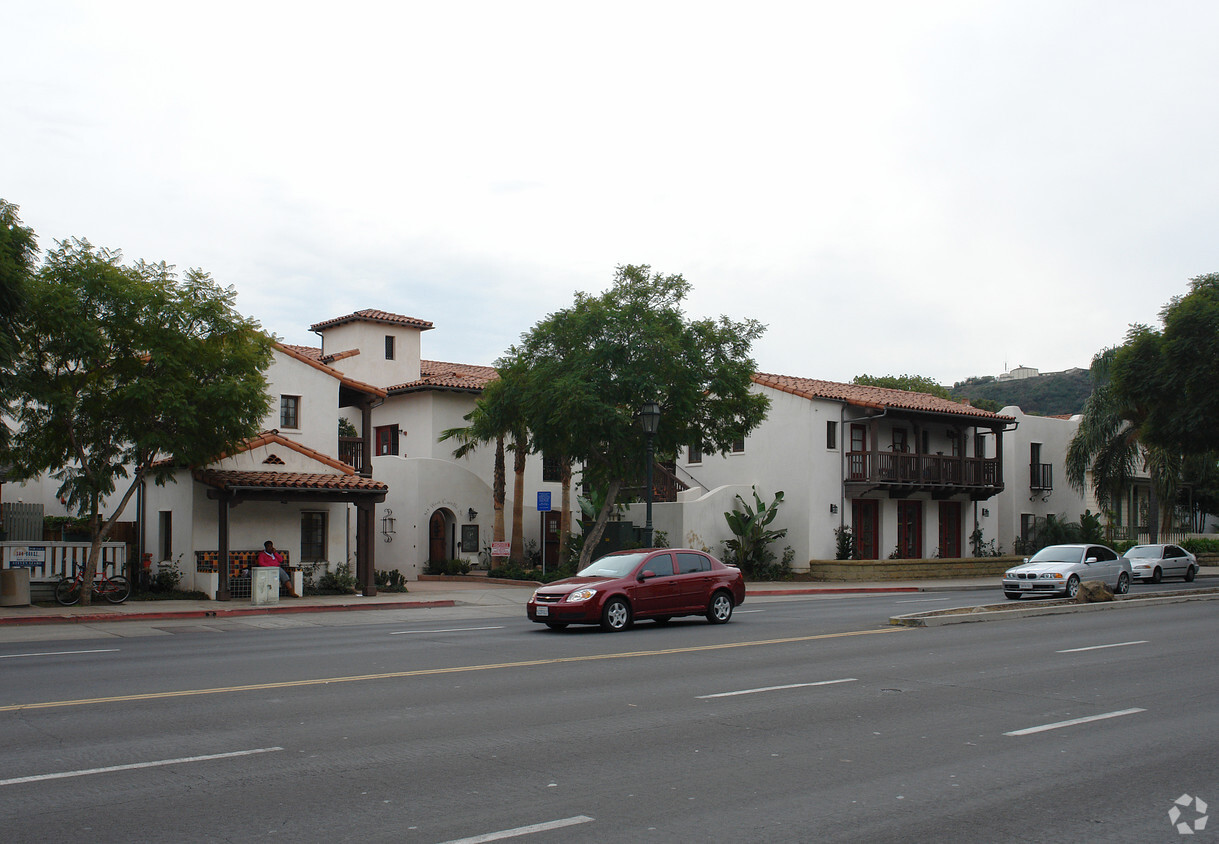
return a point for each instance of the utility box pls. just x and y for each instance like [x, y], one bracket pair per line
[14, 587]
[264, 585]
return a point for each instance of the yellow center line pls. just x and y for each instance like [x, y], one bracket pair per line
[425, 672]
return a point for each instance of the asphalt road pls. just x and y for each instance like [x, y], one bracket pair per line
[802, 720]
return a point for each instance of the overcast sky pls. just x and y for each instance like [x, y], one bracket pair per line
[937, 188]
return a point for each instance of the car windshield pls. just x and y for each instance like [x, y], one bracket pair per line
[1057, 554]
[615, 565]
[1143, 551]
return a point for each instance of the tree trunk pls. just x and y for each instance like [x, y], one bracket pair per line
[517, 553]
[1153, 514]
[565, 512]
[593, 537]
[497, 496]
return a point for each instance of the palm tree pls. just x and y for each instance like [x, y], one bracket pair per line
[496, 418]
[1110, 441]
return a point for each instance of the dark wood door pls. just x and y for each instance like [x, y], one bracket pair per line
[950, 528]
[550, 541]
[438, 548]
[865, 518]
[910, 530]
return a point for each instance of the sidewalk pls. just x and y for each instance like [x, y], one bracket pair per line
[424, 594]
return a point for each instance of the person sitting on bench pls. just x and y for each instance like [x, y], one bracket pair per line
[270, 557]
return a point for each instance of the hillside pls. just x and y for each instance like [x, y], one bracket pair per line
[1051, 394]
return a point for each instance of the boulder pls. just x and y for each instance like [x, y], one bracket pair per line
[1093, 591]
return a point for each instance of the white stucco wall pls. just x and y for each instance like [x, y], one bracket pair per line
[319, 403]
[1018, 498]
[370, 366]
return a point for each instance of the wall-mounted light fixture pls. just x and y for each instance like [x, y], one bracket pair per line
[387, 525]
[985, 513]
[473, 514]
[833, 508]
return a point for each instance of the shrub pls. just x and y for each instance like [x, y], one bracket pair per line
[844, 541]
[338, 582]
[1201, 546]
[390, 581]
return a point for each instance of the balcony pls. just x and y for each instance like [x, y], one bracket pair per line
[902, 474]
[351, 451]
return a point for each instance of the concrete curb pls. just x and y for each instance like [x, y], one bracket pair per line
[219, 613]
[1002, 612]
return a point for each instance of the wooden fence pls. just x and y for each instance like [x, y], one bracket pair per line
[49, 561]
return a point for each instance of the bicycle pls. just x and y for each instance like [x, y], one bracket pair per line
[113, 589]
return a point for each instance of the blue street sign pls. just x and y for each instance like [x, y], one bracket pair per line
[543, 502]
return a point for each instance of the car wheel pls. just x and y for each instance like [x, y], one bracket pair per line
[1157, 575]
[616, 615]
[1072, 586]
[720, 608]
[1190, 573]
[1015, 596]
[556, 625]
[1123, 583]
[662, 619]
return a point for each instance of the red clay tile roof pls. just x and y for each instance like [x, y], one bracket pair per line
[371, 315]
[437, 375]
[313, 357]
[874, 397]
[228, 478]
[274, 438]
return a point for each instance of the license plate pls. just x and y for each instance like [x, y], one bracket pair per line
[1026, 586]
[543, 611]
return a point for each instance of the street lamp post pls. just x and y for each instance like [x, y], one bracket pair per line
[649, 419]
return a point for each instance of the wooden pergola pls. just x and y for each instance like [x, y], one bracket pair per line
[230, 488]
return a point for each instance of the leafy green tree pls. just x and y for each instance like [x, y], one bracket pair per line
[909, 383]
[126, 372]
[1171, 373]
[1111, 441]
[584, 372]
[18, 250]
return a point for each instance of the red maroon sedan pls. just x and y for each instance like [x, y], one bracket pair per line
[656, 583]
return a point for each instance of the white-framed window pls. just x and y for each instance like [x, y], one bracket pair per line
[289, 411]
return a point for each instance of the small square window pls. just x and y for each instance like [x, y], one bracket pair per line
[694, 454]
[289, 411]
[738, 446]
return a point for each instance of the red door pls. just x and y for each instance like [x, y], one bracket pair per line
[865, 519]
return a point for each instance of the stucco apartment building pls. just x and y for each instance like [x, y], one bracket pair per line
[911, 474]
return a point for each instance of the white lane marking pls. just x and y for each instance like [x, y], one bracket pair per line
[1044, 727]
[1102, 647]
[921, 601]
[778, 688]
[445, 630]
[136, 765]
[61, 653]
[522, 830]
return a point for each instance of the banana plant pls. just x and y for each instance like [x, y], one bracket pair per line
[748, 549]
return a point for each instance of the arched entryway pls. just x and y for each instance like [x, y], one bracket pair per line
[440, 536]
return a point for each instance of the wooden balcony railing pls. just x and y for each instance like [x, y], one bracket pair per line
[665, 486]
[351, 451]
[899, 470]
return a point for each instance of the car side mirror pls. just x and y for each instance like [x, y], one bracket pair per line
[1090, 560]
[644, 575]
[1026, 559]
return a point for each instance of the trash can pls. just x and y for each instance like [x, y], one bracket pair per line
[14, 587]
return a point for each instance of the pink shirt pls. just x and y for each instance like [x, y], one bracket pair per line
[269, 560]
